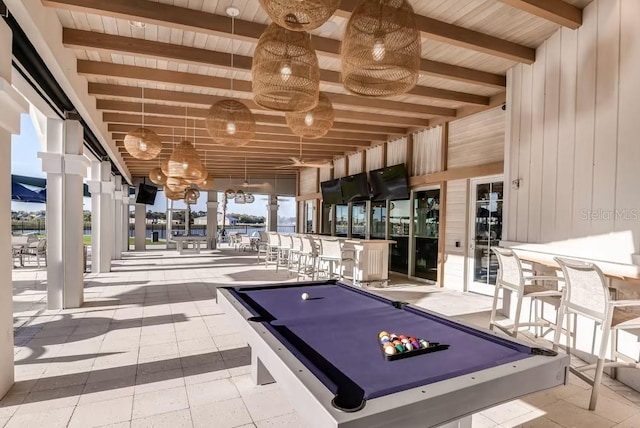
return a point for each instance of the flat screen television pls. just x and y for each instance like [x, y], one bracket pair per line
[355, 188]
[331, 192]
[146, 194]
[389, 183]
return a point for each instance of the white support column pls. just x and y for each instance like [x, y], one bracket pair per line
[117, 219]
[272, 213]
[101, 189]
[125, 217]
[141, 227]
[11, 105]
[212, 219]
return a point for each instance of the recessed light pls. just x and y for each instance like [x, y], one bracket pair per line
[137, 24]
[232, 11]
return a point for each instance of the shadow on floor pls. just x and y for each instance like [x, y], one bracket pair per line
[141, 373]
[90, 327]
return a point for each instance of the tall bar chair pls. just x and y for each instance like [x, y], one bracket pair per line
[331, 259]
[511, 276]
[284, 251]
[307, 265]
[295, 254]
[263, 244]
[587, 294]
[271, 257]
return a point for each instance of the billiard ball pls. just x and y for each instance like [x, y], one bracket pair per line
[390, 350]
[402, 337]
[384, 340]
[400, 348]
[408, 346]
[305, 296]
[393, 336]
[424, 343]
[383, 333]
[415, 344]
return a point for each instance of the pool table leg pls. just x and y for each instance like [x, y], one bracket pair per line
[259, 372]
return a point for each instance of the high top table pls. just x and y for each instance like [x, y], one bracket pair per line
[183, 242]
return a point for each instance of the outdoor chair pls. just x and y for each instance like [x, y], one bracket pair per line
[295, 254]
[37, 249]
[511, 276]
[587, 294]
[308, 257]
[244, 243]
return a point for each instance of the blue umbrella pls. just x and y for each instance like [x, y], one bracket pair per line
[22, 194]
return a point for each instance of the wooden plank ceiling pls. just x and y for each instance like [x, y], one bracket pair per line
[181, 58]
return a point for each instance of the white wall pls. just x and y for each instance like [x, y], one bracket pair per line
[477, 139]
[573, 142]
[308, 181]
[456, 232]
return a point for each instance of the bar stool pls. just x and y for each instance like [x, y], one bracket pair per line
[586, 293]
[272, 249]
[295, 253]
[511, 277]
[331, 255]
[284, 250]
[308, 258]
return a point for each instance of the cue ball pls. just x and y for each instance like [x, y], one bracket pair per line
[305, 296]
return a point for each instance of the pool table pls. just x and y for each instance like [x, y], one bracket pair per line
[325, 353]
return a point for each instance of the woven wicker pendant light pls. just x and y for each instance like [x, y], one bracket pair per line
[206, 184]
[157, 176]
[381, 49]
[285, 71]
[184, 162]
[314, 123]
[300, 15]
[143, 143]
[230, 122]
[176, 184]
[173, 195]
[191, 195]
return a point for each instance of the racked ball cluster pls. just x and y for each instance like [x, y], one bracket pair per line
[393, 344]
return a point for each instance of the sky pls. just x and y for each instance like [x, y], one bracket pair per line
[25, 161]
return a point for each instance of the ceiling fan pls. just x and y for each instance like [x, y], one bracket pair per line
[300, 163]
[246, 183]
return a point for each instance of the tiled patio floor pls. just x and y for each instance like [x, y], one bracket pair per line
[152, 348]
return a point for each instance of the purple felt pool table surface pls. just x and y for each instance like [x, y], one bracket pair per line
[335, 334]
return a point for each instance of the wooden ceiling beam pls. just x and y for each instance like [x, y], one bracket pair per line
[266, 119]
[556, 11]
[119, 131]
[191, 124]
[120, 91]
[203, 22]
[151, 74]
[254, 147]
[460, 36]
[266, 144]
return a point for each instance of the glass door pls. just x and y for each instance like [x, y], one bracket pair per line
[485, 232]
[358, 220]
[342, 220]
[426, 219]
[378, 220]
[399, 217]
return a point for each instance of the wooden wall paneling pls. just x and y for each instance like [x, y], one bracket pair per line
[585, 115]
[385, 150]
[566, 134]
[511, 153]
[629, 112]
[524, 155]
[606, 119]
[550, 138]
[537, 141]
[477, 139]
[456, 231]
[307, 181]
